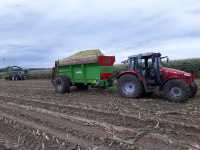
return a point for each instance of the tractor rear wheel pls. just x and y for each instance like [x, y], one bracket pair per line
[129, 86]
[193, 89]
[176, 91]
[62, 85]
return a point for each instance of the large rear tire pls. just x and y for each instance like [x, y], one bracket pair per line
[129, 86]
[193, 89]
[62, 85]
[176, 91]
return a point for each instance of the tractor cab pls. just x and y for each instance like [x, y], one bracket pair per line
[147, 66]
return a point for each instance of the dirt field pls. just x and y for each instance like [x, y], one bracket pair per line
[34, 117]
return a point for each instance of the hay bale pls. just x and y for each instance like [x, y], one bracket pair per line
[82, 57]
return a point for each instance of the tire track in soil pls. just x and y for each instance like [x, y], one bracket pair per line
[75, 109]
[186, 127]
[46, 132]
[187, 118]
[6, 143]
[186, 134]
[90, 113]
[164, 141]
[173, 116]
[28, 138]
[91, 132]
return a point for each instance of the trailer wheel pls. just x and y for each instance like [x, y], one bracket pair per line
[62, 85]
[129, 86]
[176, 91]
[193, 89]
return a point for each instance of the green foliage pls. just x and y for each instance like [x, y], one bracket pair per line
[188, 65]
[39, 74]
[3, 73]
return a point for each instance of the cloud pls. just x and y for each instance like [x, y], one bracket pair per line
[35, 33]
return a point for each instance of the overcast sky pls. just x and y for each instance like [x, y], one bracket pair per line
[34, 33]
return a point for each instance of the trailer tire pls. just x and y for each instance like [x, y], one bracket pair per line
[193, 89]
[62, 85]
[176, 91]
[129, 86]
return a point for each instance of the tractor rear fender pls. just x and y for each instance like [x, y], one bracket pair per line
[165, 81]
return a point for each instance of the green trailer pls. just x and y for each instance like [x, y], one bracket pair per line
[83, 72]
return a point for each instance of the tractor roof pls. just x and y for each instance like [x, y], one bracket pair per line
[146, 55]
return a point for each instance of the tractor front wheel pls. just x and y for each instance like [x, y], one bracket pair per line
[176, 91]
[62, 85]
[129, 86]
[193, 89]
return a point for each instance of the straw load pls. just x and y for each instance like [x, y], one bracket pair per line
[82, 57]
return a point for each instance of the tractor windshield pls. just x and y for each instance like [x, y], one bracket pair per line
[146, 63]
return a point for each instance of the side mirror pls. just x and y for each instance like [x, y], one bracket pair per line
[167, 58]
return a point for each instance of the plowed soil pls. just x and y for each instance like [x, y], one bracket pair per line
[34, 117]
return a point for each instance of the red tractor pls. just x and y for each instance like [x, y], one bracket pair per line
[146, 74]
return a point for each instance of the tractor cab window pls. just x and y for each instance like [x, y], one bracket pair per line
[133, 64]
[142, 64]
[151, 65]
